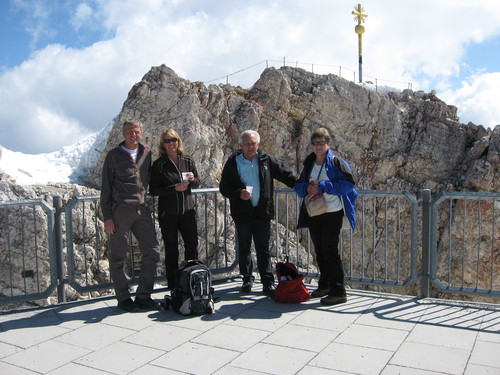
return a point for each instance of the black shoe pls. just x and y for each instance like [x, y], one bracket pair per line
[128, 305]
[147, 304]
[268, 290]
[320, 292]
[246, 287]
[333, 300]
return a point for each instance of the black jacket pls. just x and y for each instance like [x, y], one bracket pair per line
[164, 176]
[231, 185]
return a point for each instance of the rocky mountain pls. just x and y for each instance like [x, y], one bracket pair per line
[408, 140]
[399, 141]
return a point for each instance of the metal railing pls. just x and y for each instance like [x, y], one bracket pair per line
[317, 68]
[453, 248]
[465, 253]
[23, 255]
[385, 241]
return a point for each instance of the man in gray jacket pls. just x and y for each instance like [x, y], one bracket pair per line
[125, 179]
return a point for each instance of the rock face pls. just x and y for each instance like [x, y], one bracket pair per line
[409, 140]
[402, 141]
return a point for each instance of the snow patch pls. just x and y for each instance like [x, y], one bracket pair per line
[67, 165]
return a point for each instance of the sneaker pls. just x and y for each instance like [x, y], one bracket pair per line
[147, 304]
[320, 292]
[333, 300]
[269, 290]
[128, 305]
[246, 287]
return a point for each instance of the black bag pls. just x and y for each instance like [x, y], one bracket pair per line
[193, 292]
[304, 219]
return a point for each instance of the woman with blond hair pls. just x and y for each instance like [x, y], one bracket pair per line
[173, 175]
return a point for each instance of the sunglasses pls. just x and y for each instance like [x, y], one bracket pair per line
[319, 143]
[170, 140]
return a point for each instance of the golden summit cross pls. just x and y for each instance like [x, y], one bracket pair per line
[360, 29]
[359, 15]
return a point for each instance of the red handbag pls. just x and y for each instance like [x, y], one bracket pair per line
[291, 288]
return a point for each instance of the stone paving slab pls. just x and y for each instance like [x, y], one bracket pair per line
[250, 334]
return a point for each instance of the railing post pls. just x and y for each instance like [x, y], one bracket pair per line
[426, 243]
[58, 244]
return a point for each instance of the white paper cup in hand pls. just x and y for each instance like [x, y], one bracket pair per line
[249, 189]
[185, 176]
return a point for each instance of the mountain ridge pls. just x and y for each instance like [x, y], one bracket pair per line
[397, 140]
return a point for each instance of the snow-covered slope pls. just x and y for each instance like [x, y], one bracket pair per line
[66, 165]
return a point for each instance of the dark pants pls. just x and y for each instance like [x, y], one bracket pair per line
[260, 231]
[325, 231]
[170, 226]
[138, 220]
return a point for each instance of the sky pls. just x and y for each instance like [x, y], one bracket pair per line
[66, 66]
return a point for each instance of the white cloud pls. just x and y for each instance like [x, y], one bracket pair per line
[415, 41]
[82, 16]
[477, 100]
[56, 98]
[36, 21]
[425, 37]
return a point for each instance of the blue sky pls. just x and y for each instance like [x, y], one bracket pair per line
[66, 66]
[28, 26]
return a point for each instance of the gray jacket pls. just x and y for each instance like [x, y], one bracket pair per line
[123, 181]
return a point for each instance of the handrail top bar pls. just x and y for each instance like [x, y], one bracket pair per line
[205, 190]
[29, 202]
[375, 193]
[464, 194]
[23, 201]
[195, 191]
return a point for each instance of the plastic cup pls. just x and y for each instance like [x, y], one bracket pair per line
[250, 189]
[185, 176]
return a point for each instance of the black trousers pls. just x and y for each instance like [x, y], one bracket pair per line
[260, 231]
[325, 231]
[171, 226]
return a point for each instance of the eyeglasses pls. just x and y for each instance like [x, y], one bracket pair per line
[319, 143]
[170, 140]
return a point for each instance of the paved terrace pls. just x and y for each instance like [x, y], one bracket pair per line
[251, 334]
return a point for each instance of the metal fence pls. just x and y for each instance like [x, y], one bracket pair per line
[25, 258]
[464, 253]
[446, 245]
[243, 75]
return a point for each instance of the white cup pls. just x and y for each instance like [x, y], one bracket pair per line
[185, 176]
[249, 189]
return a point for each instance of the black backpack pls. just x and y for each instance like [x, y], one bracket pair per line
[193, 292]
